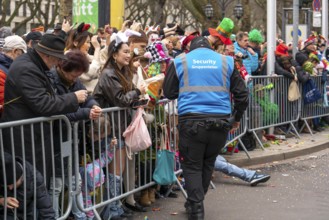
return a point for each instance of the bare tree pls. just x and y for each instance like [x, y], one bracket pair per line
[65, 9]
[7, 18]
[150, 12]
[138, 11]
[43, 15]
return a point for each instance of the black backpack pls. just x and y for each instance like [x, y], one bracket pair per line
[248, 141]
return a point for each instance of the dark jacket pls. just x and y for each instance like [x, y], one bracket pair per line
[81, 114]
[237, 88]
[29, 94]
[110, 93]
[301, 57]
[60, 88]
[279, 70]
[44, 207]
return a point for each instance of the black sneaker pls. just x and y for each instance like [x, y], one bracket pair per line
[259, 178]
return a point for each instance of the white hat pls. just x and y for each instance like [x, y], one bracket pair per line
[14, 42]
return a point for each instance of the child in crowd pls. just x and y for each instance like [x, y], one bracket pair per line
[17, 192]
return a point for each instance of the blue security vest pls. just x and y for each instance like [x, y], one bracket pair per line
[204, 82]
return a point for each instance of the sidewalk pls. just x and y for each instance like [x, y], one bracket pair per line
[173, 209]
[291, 147]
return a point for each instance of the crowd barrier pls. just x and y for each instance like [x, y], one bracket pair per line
[316, 109]
[269, 105]
[96, 170]
[44, 144]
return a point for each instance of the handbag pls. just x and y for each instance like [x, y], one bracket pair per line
[293, 91]
[137, 137]
[311, 92]
[164, 173]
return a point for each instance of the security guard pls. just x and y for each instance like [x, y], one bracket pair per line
[202, 80]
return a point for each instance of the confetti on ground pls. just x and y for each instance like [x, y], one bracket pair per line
[155, 209]
[174, 213]
[285, 174]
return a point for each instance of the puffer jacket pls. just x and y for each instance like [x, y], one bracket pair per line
[5, 63]
[44, 207]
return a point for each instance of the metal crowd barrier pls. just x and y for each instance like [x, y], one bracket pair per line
[42, 145]
[316, 109]
[134, 174]
[236, 135]
[103, 173]
[269, 105]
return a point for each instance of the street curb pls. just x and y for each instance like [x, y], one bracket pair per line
[257, 160]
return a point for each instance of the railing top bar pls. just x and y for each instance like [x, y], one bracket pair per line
[33, 121]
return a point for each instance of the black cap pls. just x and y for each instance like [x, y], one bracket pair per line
[35, 35]
[199, 42]
[58, 26]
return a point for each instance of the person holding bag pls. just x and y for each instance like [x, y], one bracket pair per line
[202, 80]
[115, 89]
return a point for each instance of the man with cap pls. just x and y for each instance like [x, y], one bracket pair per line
[13, 47]
[32, 38]
[19, 197]
[202, 80]
[29, 94]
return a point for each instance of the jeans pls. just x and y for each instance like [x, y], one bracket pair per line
[56, 186]
[231, 170]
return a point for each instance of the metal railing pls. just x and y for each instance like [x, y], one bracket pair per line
[102, 166]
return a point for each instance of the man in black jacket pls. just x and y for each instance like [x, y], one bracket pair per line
[202, 81]
[29, 94]
[19, 197]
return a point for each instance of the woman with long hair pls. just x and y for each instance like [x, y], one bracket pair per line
[80, 39]
[115, 89]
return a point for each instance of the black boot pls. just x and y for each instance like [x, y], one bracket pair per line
[197, 211]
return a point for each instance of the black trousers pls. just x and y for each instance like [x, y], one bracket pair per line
[198, 149]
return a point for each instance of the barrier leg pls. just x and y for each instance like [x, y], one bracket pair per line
[212, 185]
[244, 148]
[308, 127]
[293, 127]
[181, 188]
[259, 141]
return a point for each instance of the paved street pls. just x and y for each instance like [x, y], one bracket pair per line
[297, 190]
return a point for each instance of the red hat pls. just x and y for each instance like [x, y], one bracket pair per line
[309, 41]
[281, 50]
[187, 40]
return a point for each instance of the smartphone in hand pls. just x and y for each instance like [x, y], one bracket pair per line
[140, 103]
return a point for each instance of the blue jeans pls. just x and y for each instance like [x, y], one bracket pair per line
[231, 170]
